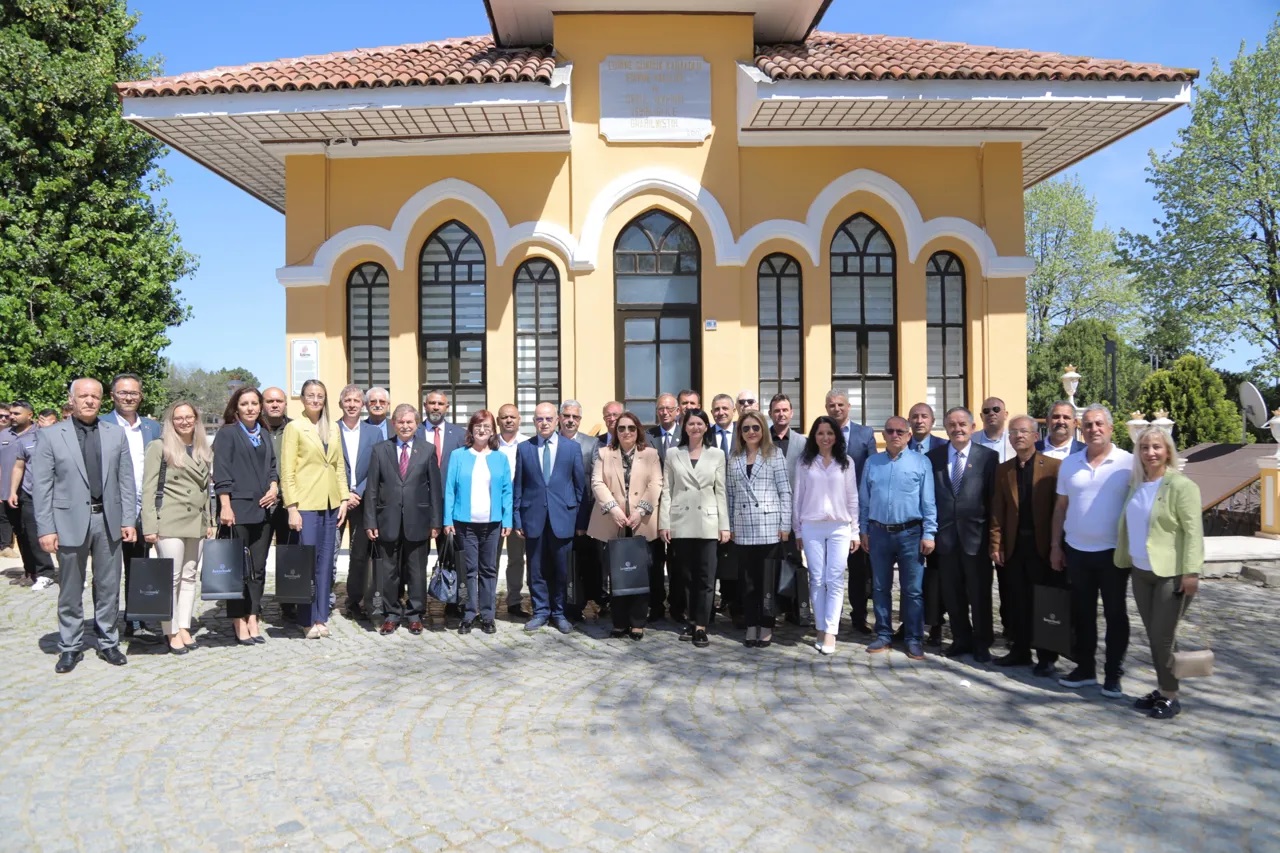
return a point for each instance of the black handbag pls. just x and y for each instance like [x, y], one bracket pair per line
[149, 596]
[223, 568]
[774, 565]
[1051, 625]
[444, 579]
[727, 562]
[295, 573]
[627, 560]
[575, 591]
[787, 572]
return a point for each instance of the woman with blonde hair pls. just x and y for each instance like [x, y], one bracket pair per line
[1162, 538]
[175, 505]
[314, 481]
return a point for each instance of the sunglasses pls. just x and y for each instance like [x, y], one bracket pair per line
[746, 402]
[888, 431]
[626, 428]
[994, 410]
[746, 428]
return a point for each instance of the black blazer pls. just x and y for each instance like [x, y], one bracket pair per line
[963, 518]
[243, 471]
[403, 509]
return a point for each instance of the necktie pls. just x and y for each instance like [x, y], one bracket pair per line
[546, 461]
[668, 440]
[957, 473]
[404, 461]
[724, 442]
[439, 444]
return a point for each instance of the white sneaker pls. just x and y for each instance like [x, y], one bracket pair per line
[42, 583]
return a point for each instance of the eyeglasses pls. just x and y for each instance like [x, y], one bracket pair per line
[313, 398]
[626, 428]
[128, 395]
[746, 428]
[746, 402]
[666, 408]
[888, 431]
[545, 420]
[994, 410]
[481, 429]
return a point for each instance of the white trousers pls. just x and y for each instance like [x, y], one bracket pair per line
[826, 550]
[185, 554]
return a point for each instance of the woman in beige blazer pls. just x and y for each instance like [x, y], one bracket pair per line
[627, 484]
[694, 517]
[178, 513]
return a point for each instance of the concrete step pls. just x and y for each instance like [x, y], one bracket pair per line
[1267, 574]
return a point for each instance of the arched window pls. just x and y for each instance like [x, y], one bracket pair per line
[369, 326]
[944, 316]
[451, 316]
[537, 297]
[864, 336]
[656, 264]
[781, 355]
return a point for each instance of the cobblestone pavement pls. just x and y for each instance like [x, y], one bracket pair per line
[581, 742]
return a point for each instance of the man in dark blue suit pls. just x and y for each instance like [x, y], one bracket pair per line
[444, 439]
[358, 441]
[922, 438]
[860, 445]
[549, 484]
[1061, 441]
[126, 398]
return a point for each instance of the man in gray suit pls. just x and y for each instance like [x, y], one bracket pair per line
[85, 507]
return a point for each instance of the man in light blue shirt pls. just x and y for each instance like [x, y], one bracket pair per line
[899, 520]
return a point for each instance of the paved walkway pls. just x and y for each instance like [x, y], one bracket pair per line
[581, 742]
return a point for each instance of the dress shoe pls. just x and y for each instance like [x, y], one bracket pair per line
[879, 646]
[955, 650]
[1165, 709]
[259, 639]
[900, 635]
[764, 644]
[245, 641]
[700, 638]
[388, 627]
[465, 627]
[564, 626]
[862, 628]
[130, 628]
[916, 652]
[636, 634]
[113, 656]
[1044, 669]
[67, 661]
[489, 627]
[515, 611]
[182, 650]
[982, 656]
[1146, 703]
[1013, 659]
[935, 636]
[415, 628]
[535, 623]
[686, 634]
[617, 633]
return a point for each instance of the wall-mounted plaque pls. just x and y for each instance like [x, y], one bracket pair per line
[655, 99]
[304, 362]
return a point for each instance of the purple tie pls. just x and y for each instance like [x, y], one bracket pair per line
[404, 461]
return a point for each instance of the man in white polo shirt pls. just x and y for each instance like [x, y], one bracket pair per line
[1091, 490]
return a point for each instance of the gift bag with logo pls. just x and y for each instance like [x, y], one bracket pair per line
[627, 561]
[149, 597]
[295, 573]
[444, 579]
[1051, 625]
[223, 568]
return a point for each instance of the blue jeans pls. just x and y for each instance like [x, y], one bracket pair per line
[319, 528]
[904, 548]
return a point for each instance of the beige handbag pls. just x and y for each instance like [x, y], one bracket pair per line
[1197, 664]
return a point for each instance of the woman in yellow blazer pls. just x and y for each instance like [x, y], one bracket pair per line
[627, 484]
[313, 478]
[1162, 538]
[694, 516]
[180, 522]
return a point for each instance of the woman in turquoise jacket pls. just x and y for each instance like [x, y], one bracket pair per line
[478, 508]
[1162, 538]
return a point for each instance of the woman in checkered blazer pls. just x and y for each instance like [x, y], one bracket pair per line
[759, 517]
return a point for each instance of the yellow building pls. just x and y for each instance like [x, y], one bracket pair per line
[609, 204]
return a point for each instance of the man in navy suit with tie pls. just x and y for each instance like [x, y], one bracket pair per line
[922, 438]
[550, 481]
[860, 445]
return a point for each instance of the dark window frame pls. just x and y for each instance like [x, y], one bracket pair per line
[550, 274]
[779, 267]
[368, 277]
[455, 339]
[857, 381]
[936, 274]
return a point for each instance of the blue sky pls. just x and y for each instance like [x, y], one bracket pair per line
[238, 308]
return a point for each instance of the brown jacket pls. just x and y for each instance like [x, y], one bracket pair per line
[607, 486]
[1004, 506]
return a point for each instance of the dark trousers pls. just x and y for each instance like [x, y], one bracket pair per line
[730, 578]
[751, 573]
[1007, 614]
[8, 527]
[359, 577]
[799, 608]
[657, 581]
[586, 562]
[479, 544]
[1092, 573]
[627, 611]
[319, 528]
[966, 590]
[698, 558]
[35, 560]
[859, 586]
[399, 563]
[257, 538]
[677, 583]
[548, 559]
[1024, 571]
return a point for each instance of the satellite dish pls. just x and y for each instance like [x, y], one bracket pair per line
[1254, 408]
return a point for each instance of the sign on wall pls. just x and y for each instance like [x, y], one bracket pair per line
[655, 99]
[304, 362]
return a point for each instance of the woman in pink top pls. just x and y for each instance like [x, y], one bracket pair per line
[826, 524]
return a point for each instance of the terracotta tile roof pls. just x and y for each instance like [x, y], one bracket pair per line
[438, 63]
[834, 56]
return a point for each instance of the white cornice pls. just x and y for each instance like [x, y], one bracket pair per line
[924, 138]
[522, 143]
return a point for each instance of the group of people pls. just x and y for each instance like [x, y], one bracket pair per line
[724, 497]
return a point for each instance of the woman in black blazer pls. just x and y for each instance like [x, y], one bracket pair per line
[247, 485]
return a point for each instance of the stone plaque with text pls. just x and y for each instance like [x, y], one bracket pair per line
[655, 99]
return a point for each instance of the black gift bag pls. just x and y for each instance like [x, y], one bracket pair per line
[223, 570]
[149, 597]
[295, 574]
[789, 570]
[627, 560]
[1051, 626]
[773, 568]
[575, 591]
[443, 585]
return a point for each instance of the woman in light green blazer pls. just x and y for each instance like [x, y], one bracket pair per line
[1162, 538]
[176, 515]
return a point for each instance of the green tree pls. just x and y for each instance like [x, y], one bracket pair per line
[208, 390]
[1077, 271]
[1196, 399]
[1083, 344]
[1215, 255]
[88, 258]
